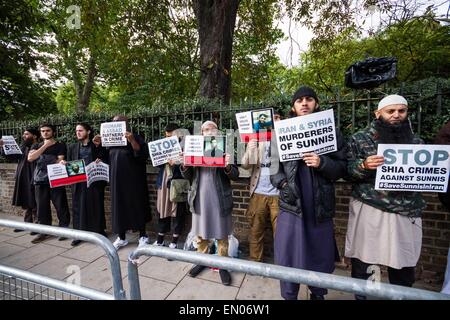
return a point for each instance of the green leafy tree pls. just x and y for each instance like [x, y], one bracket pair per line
[22, 93]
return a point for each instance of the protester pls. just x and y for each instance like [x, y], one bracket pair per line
[384, 227]
[443, 137]
[88, 209]
[130, 209]
[23, 195]
[304, 236]
[45, 153]
[264, 196]
[167, 210]
[211, 204]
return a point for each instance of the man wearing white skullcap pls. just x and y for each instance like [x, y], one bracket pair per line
[211, 203]
[384, 227]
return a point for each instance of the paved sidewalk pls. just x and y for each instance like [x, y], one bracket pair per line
[160, 279]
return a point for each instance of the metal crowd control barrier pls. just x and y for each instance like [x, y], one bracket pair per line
[21, 285]
[316, 279]
[118, 291]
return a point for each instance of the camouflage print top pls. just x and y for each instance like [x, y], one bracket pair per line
[361, 145]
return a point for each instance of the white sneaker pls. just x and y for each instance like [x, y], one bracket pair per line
[143, 241]
[158, 244]
[172, 245]
[119, 243]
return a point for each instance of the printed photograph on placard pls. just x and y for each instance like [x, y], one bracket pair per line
[214, 147]
[255, 124]
[262, 120]
[75, 168]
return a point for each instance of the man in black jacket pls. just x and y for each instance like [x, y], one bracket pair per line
[304, 237]
[23, 188]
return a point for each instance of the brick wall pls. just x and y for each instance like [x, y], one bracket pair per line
[436, 221]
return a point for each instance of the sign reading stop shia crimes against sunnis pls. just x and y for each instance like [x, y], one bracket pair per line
[311, 133]
[422, 168]
[163, 150]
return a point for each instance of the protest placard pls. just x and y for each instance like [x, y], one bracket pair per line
[63, 175]
[10, 145]
[97, 172]
[113, 134]
[256, 124]
[205, 151]
[423, 168]
[312, 133]
[163, 150]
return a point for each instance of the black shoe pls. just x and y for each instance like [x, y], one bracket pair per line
[74, 243]
[40, 238]
[225, 277]
[316, 297]
[196, 270]
[33, 233]
[18, 230]
[62, 238]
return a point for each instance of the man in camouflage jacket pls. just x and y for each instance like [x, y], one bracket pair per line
[384, 227]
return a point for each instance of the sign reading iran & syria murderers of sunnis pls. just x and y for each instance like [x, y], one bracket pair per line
[163, 150]
[312, 133]
[422, 168]
[113, 134]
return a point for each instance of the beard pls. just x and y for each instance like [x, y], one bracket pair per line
[28, 142]
[394, 133]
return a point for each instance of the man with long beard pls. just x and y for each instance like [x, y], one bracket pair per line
[384, 227]
[23, 188]
[87, 203]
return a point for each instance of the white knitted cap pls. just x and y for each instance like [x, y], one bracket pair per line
[390, 100]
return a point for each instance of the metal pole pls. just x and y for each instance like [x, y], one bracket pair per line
[311, 278]
[368, 109]
[338, 98]
[119, 292]
[134, 286]
[55, 284]
[353, 112]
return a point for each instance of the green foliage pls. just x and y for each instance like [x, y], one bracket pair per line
[103, 99]
[22, 95]
[421, 46]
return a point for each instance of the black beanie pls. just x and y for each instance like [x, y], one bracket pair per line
[33, 131]
[304, 91]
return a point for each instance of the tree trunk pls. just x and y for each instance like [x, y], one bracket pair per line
[216, 21]
[84, 95]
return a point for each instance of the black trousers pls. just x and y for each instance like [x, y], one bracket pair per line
[44, 194]
[30, 215]
[402, 277]
[164, 224]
